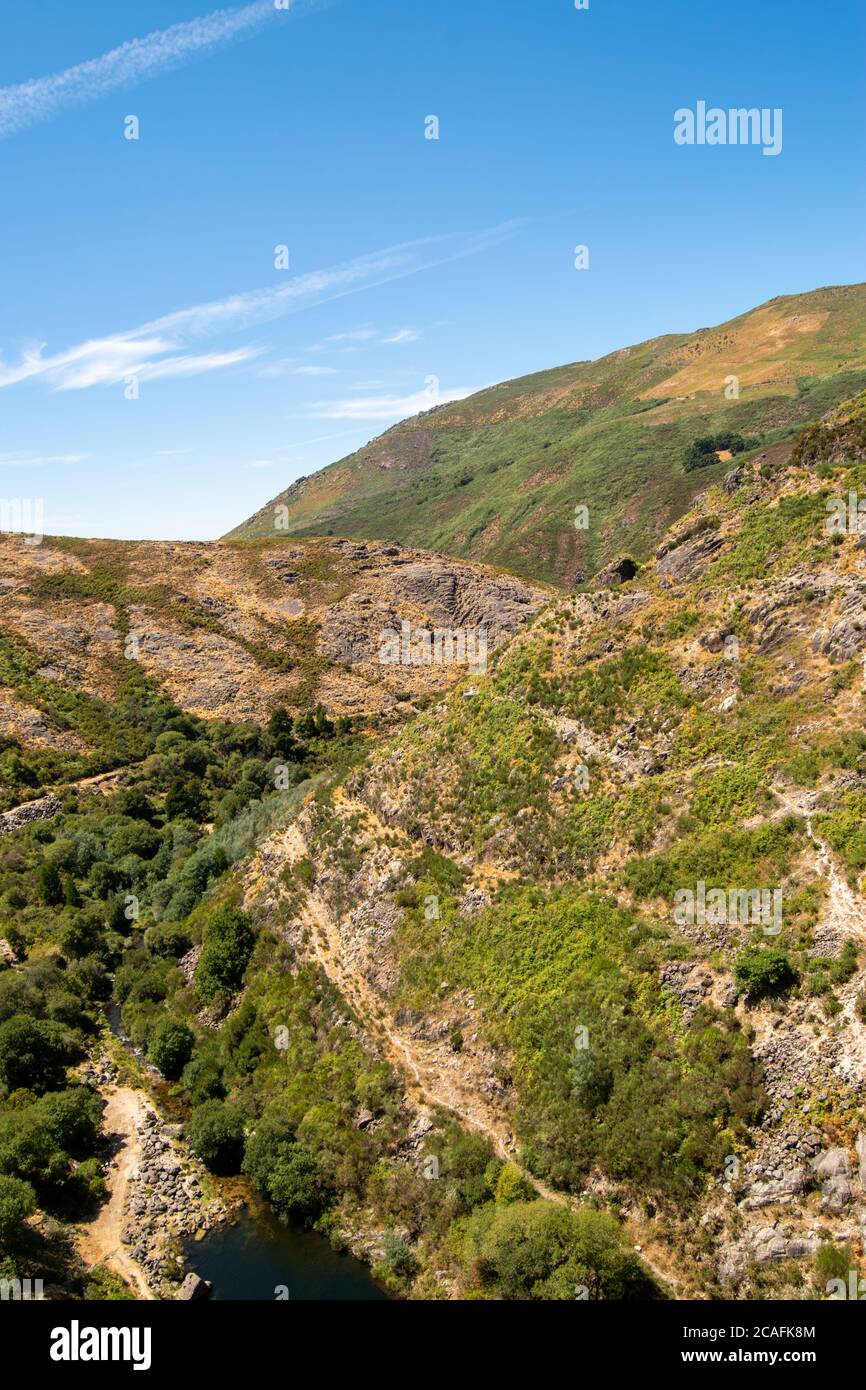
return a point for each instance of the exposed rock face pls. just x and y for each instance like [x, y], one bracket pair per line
[618, 572]
[688, 561]
[229, 630]
[41, 809]
[193, 1288]
[833, 1163]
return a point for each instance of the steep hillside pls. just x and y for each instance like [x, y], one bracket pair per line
[543, 898]
[497, 477]
[555, 989]
[90, 630]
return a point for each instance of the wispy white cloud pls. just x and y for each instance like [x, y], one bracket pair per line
[387, 407]
[355, 335]
[351, 340]
[160, 349]
[39, 460]
[41, 98]
[260, 463]
[403, 335]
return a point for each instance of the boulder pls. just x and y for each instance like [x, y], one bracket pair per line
[193, 1288]
[832, 1163]
[836, 1195]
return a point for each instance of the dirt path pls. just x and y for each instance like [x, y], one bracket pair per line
[99, 1240]
[427, 1080]
[844, 909]
[845, 914]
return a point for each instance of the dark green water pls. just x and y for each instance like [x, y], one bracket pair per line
[255, 1257]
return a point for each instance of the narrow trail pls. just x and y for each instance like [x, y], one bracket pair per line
[99, 1240]
[427, 1082]
[845, 915]
[846, 910]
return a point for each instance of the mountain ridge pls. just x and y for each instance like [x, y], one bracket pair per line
[497, 475]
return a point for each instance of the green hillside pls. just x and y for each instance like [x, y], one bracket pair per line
[497, 477]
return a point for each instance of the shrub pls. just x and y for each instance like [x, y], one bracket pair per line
[227, 949]
[832, 1262]
[216, 1133]
[763, 970]
[541, 1250]
[17, 1202]
[202, 1077]
[34, 1054]
[170, 1047]
[397, 1256]
[512, 1186]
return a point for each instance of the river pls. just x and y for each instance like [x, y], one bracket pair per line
[259, 1258]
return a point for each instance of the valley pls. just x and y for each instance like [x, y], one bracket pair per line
[455, 963]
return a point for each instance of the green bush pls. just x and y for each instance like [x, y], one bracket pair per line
[284, 1169]
[530, 1250]
[227, 949]
[216, 1134]
[512, 1186]
[17, 1202]
[170, 1047]
[763, 970]
[33, 1054]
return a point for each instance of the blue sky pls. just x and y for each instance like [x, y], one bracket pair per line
[410, 259]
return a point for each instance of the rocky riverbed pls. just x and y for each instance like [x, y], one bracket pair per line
[159, 1194]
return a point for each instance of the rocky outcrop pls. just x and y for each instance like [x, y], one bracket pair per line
[618, 572]
[168, 1202]
[43, 808]
[229, 632]
[193, 1289]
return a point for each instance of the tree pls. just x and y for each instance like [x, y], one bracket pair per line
[136, 838]
[81, 935]
[49, 885]
[34, 1054]
[294, 1187]
[28, 1150]
[315, 723]
[171, 1046]
[280, 732]
[73, 1117]
[185, 798]
[216, 1133]
[284, 1169]
[17, 1202]
[226, 952]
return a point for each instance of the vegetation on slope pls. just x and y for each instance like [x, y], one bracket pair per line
[498, 476]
